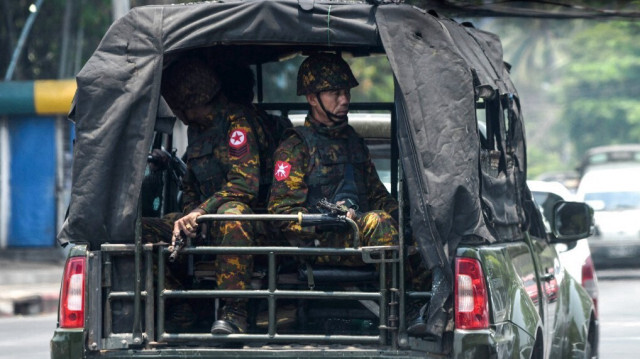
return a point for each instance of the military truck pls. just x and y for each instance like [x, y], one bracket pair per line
[454, 147]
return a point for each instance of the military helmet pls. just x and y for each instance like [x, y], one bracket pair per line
[189, 82]
[324, 72]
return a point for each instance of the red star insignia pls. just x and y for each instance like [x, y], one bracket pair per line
[238, 138]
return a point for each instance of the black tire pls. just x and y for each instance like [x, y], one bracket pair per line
[588, 350]
[537, 352]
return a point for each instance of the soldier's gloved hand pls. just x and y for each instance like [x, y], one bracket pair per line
[187, 224]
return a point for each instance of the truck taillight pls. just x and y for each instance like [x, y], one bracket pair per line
[590, 282]
[72, 296]
[471, 300]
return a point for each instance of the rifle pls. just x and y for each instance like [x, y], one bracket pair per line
[336, 213]
[175, 165]
[177, 247]
[334, 209]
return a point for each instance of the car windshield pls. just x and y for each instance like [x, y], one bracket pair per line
[611, 201]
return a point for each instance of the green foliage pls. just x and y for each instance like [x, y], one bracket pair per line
[535, 47]
[540, 160]
[601, 85]
[85, 24]
[375, 78]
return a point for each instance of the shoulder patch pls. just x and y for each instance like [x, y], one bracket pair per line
[282, 170]
[238, 143]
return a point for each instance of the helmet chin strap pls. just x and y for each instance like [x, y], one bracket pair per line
[330, 115]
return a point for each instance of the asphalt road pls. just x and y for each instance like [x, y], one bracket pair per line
[619, 313]
[27, 337]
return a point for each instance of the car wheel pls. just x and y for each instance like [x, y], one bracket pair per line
[588, 350]
[537, 348]
[587, 353]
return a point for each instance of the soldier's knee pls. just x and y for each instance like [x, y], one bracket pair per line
[379, 228]
[236, 233]
[374, 218]
[234, 208]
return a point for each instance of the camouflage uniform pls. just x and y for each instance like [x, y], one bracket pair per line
[238, 81]
[317, 162]
[223, 177]
[314, 159]
[327, 159]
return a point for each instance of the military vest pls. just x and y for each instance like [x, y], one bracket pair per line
[337, 167]
[207, 155]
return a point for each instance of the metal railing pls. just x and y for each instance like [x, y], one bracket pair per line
[154, 300]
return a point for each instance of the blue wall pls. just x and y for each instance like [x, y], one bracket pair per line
[32, 182]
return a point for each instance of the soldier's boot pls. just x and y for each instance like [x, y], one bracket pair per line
[233, 318]
[417, 321]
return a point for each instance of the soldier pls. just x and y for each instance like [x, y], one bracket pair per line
[223, 176]
[325, 158]
[238, 82]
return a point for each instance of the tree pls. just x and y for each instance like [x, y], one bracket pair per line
[541, 51]
[601, 86]
[47, 54]
[86, 23]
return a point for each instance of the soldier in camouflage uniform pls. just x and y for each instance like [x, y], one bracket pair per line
[238, 82]
[325, 158]
[223, 176]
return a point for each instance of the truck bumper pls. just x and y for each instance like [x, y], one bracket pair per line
[497, 342]
[67, 344]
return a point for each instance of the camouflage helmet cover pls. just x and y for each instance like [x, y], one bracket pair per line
[189, 82]
[324, 72]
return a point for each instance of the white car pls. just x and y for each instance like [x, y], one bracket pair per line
[613, 191]
[577, 259]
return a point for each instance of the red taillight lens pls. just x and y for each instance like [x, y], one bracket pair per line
[72, 296]
[471, 301]
[590, 281]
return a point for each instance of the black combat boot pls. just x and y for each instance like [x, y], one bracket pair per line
[233, 319]
[416, 321]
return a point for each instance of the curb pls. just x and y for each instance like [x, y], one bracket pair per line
[30, 280]
[27, 301]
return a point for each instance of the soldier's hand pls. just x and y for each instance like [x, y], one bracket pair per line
[159, 160]
[187, 225]
[351, 213]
